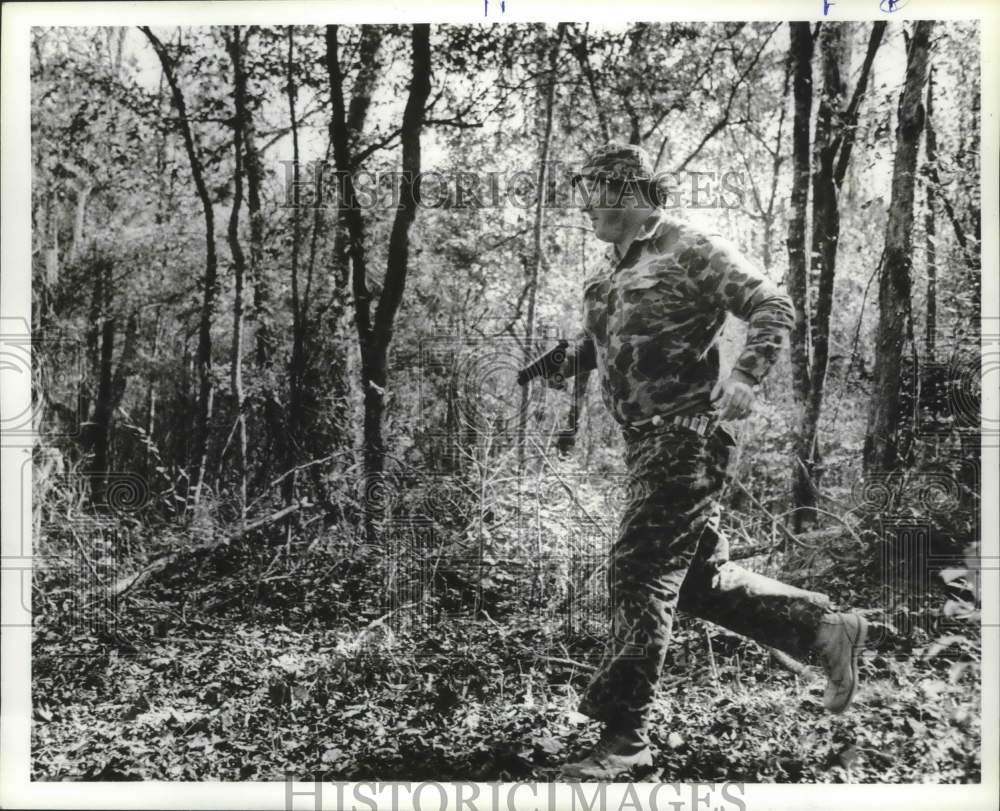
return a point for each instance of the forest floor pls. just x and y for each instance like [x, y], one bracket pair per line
[248, 698]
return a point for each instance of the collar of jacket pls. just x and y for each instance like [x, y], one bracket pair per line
[646, 230]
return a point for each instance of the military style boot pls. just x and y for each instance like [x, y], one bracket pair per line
[616, 752]
[838, 642]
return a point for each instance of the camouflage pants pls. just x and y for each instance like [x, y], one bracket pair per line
[670, 553]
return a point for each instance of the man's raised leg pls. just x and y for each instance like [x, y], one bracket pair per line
[798, 622]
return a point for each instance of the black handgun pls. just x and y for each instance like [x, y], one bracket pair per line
[545, 366]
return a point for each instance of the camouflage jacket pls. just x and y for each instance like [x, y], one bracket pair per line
[651, 320]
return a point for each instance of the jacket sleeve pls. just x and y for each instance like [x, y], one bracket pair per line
[738, 286]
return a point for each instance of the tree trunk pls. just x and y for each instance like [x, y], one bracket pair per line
[375, 334]
[823, 255]
[374, 361]
[259, 315]
[930, 230]
[832, 146]
[339, 317]
[537, 254]
[82, 195]
[210, 279]
[297, 361]
[236, 48]
[264, 338]
[798, 273]
[151, 401]
[350, 214]
[111, 380]
[251, 168]
[798, 270]
[636, 36]
[126, 363]
[100, 420]
[52, 249]
[975, 212]
[91, 404]
[882, 440]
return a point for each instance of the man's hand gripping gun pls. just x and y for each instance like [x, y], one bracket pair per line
[551, 367]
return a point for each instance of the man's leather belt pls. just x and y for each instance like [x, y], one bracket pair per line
[701, 424]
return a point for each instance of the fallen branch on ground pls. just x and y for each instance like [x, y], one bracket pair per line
[791, 664]
[164, 559]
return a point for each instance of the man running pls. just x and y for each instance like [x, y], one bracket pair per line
[652, 317]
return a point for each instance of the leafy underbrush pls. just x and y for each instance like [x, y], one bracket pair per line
[459, 646]
[482, 700]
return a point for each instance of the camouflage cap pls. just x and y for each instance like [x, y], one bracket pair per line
[617, 161]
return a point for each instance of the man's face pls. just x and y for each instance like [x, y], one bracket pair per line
[610, 206]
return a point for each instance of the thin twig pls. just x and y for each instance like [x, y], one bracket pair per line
[562, 482]
[560, 660]
[288, 473]
[767, 512]
[711, 662]
[792, 665]
[857, 335]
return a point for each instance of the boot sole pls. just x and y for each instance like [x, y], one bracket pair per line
[857, 645]
[598, 773]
